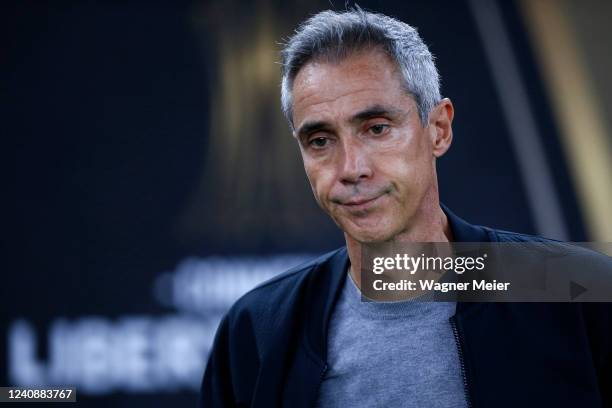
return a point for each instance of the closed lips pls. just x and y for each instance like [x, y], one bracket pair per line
[359, 201]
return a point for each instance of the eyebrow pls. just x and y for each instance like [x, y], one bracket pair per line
[368, 113]
[375, 111]
[311, 127]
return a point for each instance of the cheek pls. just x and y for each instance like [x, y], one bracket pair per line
[399, 168]
[320, 181]
[408, 172]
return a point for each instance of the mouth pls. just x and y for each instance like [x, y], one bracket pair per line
[357, 205]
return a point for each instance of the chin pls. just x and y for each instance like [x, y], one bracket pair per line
[372, 230]
[369, 235]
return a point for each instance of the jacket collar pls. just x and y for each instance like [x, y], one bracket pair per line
[329, 277]
[462, 230]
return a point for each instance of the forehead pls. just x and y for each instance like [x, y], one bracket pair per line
[330, 88]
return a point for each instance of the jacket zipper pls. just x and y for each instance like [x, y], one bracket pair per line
[321, 378]
[461, 362]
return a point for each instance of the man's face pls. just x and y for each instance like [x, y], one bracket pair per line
[370, 162]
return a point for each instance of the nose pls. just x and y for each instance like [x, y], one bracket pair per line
[354, 163]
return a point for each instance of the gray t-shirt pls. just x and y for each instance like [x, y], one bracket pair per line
[395, 354]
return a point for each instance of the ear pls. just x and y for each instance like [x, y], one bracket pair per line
[440, 125]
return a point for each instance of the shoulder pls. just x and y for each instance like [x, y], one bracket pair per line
[563, 264]
[277, 288]
[275, 299]
[498, 235]
[578, 252]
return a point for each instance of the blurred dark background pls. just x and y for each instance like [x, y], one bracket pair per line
[150, 179]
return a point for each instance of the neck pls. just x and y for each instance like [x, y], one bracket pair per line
[430, 225]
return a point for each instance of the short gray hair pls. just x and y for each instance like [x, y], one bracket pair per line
[335, 35]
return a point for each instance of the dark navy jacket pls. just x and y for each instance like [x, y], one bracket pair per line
[270, 349]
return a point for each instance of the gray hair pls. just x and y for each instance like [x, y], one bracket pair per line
[335, 35]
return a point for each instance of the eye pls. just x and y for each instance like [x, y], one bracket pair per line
[318, 142]
[378, 129]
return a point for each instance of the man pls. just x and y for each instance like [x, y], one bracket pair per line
[361, 93]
